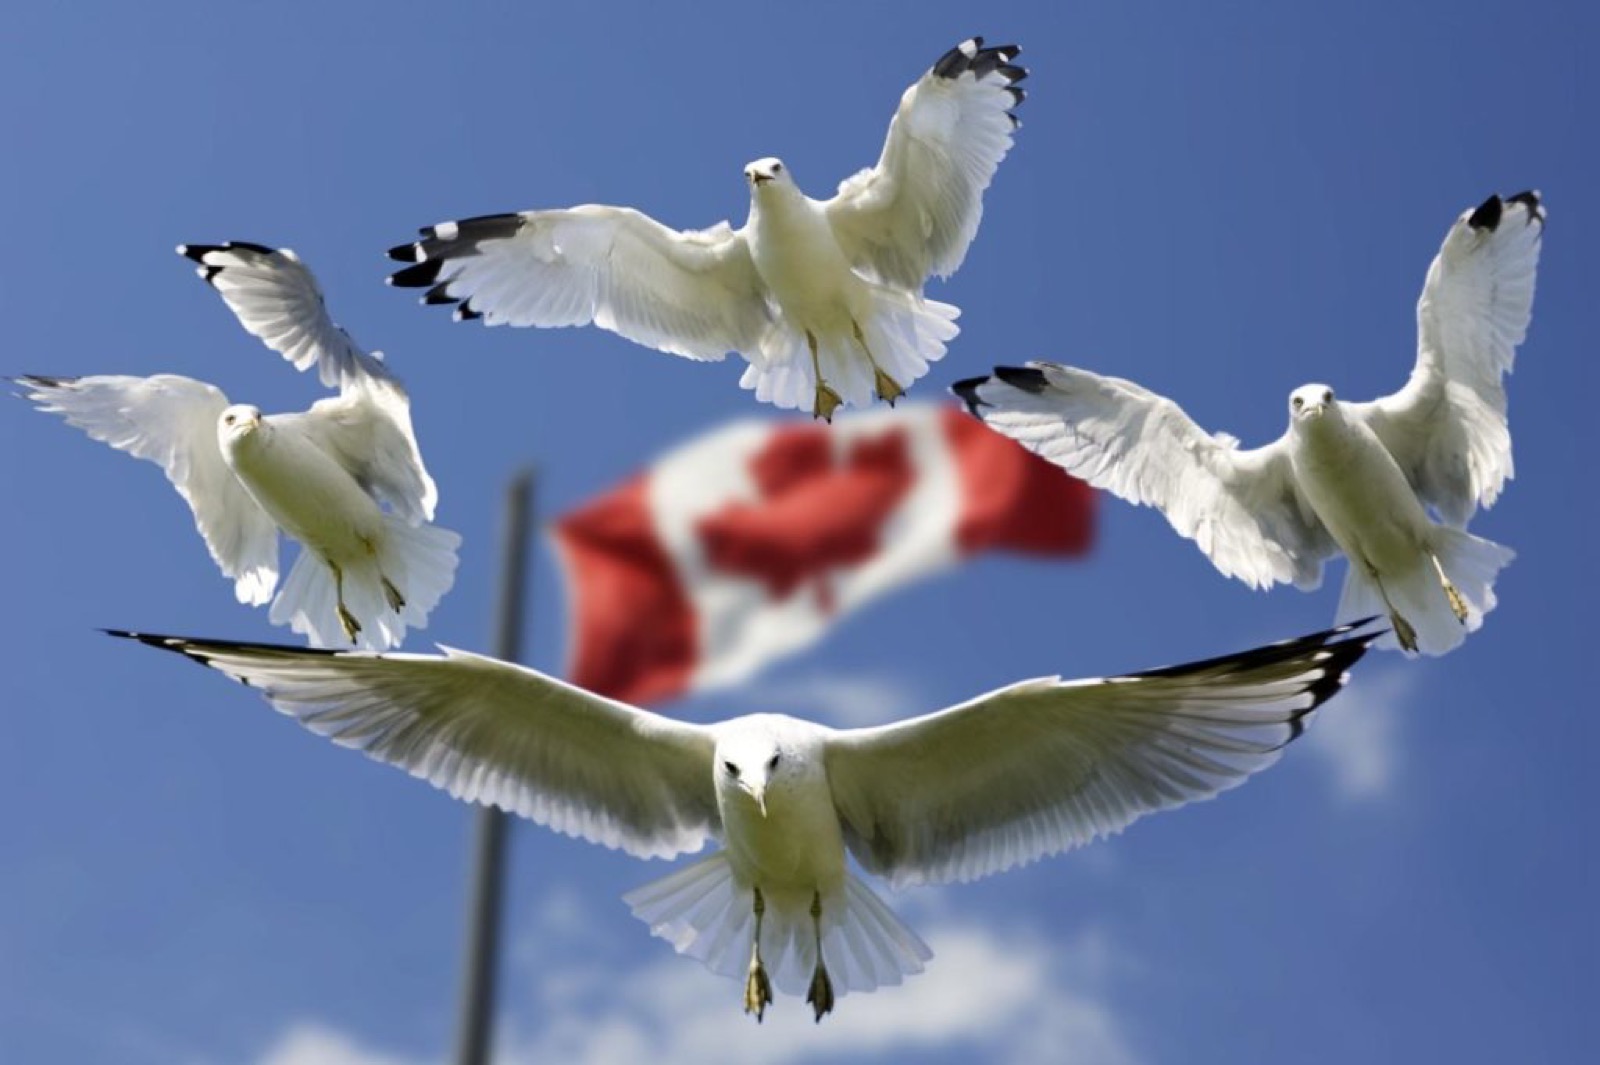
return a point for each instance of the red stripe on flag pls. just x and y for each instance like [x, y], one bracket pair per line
[633, 630]
[1011, 499]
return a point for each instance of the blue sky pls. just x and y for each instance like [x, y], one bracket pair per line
[1219, 201]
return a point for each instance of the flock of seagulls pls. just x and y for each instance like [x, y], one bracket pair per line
[824, 300]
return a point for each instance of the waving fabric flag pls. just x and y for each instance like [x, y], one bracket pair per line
[745, 544]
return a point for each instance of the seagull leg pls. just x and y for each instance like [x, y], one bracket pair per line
[397, 602]
[1402, 628]
[347, 620]
[827, 400]
[1458, 605]
[888, 388]
[757, 988]
[820, 997]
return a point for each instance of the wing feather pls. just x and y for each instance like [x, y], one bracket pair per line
[1447, 427]
[915, 213]
[1045, 766]
[494, 733]
[1240, 507]
[172, 421]
[693, 293]
[277, 299]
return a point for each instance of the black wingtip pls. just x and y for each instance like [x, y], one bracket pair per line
[1530, 199]
[1487, 215]
[1028, 378]
[422, 275]
[967, 392]
[33, 380]
[405, 253]
[971, 55]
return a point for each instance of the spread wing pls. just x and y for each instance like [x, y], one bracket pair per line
[276, 298]
[366, 428]
[1241, 507]
[1044, 766]
[172, 421]
[1447, 426]
[692, 293]
[494, 733]
[915, 213]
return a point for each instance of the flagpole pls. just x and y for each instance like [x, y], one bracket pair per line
[480, 964]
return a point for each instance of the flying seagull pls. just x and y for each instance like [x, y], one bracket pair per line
[1024, 772]
[320, 475]
[823, 298]
[1345, 477]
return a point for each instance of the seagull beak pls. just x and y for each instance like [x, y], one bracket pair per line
[760, 179]
[758, 792]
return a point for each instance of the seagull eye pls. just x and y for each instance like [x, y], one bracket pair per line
[228, 418]
[777, 168]
[1327, 395]
[772, 763]
[733, 770]
[1298, 403]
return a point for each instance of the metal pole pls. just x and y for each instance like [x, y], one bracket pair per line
[480, 966]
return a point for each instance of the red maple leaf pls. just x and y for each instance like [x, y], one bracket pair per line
[815, 516]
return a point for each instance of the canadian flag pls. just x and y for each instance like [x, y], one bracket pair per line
[744, 544]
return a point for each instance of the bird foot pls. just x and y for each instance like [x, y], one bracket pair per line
[1458, 604]
[397, 602]
[1404, 633]
[888, 388]
[826, 403]
[347, 621]
[820, 997]
[757, 990]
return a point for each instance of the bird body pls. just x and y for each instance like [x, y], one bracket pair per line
[364, 573]
[1390, 483]
[1027, 771]
[823, 298]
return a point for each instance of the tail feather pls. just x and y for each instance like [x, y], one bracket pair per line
[418, 560]
[1470, 562]
[905, 333]
[705, 914]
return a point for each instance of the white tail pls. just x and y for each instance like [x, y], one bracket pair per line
[1471, 563]
[703, 913]
[904, 332]
[419, 562]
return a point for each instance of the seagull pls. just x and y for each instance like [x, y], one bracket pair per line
[1345, 477]
[823, 298]
[320, 475]
[1027, 771]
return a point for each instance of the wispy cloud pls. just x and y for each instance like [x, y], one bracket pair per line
[1359, 735]
[845, 700]
[312, 1043]
[1002, 996]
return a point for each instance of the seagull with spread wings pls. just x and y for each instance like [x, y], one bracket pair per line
[823, 298]
[1030, 770]
[1345, 477]
[320, 475]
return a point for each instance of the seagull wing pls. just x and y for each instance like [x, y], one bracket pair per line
[1241, 507]
[367, 430]
[494, 733]
[276, 298]
[692, 293]
[172, 421]
[1044, 766]
[915, 213]
[1447, 426]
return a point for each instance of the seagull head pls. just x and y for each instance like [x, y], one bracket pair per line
[1310, 402]
[767, 173]
[748, 763]
[238, 422]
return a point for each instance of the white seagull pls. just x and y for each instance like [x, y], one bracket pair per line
[822, 297]
[1345, 477]
[364, 573]
[1024, 772]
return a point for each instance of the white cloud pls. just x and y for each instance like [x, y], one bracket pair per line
[1015, 996]
[312, 1043]
[1358, 735]
[845, 700]
[1003, 997]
